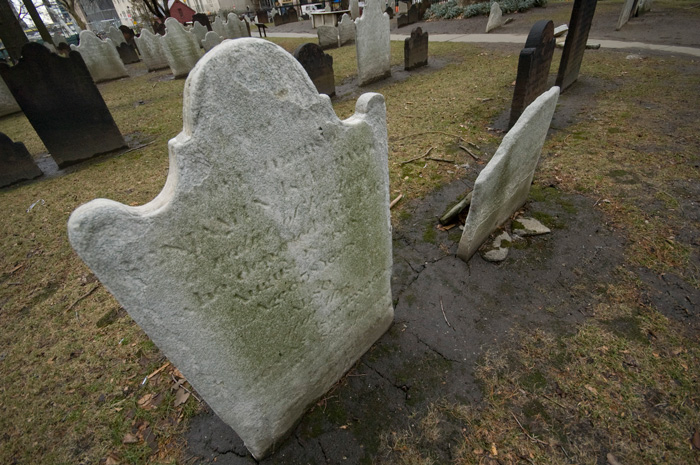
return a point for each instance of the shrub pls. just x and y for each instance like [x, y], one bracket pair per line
[451, 8]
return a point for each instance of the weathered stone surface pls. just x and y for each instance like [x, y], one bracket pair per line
[180, 47]
[401, 20]
[116, 36]
[503, 185]
[644, 6]
[415, 50]
[628, 9]
[8, 104]
[524, 226]
[199, 30]
[127, 53]
[354, 9]
[372, 43]
[211, 40]
[403, 6]
[319, 67]
[413, 14]
[575, 45]
[16, 164]
[561, 30]
[219, 27]
[533, 67]
[498, 249]
[346, 30]
[495, 17]
[202, 19]
[62, 103]
[235, 27]
[151, 47]
[262, 270]
[327, 37]
[100, 56]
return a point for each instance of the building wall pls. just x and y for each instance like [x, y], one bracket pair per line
[100, 14]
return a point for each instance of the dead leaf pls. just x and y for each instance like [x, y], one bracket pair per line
[130, 439]
[181, 397]
[695, 440]
[112, 460]
[592, 389]
[178, 374]
[344, 427]
[494, 451]
[612, 460]
[145, 402]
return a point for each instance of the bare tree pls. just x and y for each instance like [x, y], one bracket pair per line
[72, 7]
[158, 9]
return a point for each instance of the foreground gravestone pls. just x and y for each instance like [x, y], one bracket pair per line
[262, 270]
[575, 45]
[628, 8]
[101, 57]
[8, 104]
[180, 47]
[503, 185]
[415, 50]
[372, 43]
[495, 17]
[327, 36]
[211, 40]
[151, 47]
[319, 66]
[533, 68]
[346, 30]
[62, 103]
[16, 164]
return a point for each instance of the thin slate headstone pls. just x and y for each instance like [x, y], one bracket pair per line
[628, 9]
[127, 53]
[495, 17]
[414, 14]
[319, 67]
[202, 19]
[219, 27]
[63, 104]
[116, 36]
[415, 50]
[211, 40]
[151, 47]
[101, 57]
[262, 270]
[16, 163]
[372, 43]
[575, 45]
[199, 30]
[327, 37]
[346, 30]
[232, 28]
[262, 16]
[401, 20]
[503, 185]
[180, 47]
[8, 104]
[533, 67]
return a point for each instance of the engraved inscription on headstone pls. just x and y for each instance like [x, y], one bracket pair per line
[575, 45]
[262, 270]
[533, 67]
[372, 43]
[62, 103]
[101, 57]
[180, 47]
[319, 67]
[415, 50]
[16, 164]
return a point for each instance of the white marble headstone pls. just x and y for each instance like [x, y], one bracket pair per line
[262, 270]
[495, 17]
[346, 30]
[372, 43]
[181, 48]
[8, 104]
[101, 57]
[211, 40]
[503, 185]
[219, 27]
[199, 30]
[233, 27]
[151, 47]
[354, 9]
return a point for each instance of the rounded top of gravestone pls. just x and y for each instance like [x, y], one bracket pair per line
[416, 32]
[308, 51]
[35, 51]
[542, 33]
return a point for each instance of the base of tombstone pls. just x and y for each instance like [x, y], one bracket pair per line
[412, 66]
[374, 79]
[66, 160]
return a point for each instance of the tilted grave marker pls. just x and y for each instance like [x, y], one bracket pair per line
[127, 53]
[16, 164]
[263, 268]
[151, 47]
[628, 8]
[319, 67]
[180, 47]
[495, 17]
[63, 104]
[346, 30]
[8, 104]
[503, 185]
[575, 45]
[533, 67]
[101, 57]
[372, 43]
[415, 50]
[327, 36]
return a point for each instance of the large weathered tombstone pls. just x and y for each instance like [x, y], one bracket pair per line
[16, 164]
[495, 17]
[219, 27]
[415, 50]
[199, 30]
[327, 37]
[372, 43]
[62, 103]
[116, 36]
[211, 40]
[533, 67]
[101, 57]
[127, 53]
[575, 45]
[354, 9]
[151, 47]
[628, 9]
[202, 19]
[233, 31]
[319, 66]
[346, 30]
[8, 104]
[262, 270]
[503, 185]
[180, 47]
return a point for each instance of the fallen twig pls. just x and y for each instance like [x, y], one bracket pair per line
[456, 209]
[182, 385]
[158, 370]
[428, 132]
[94, 288]
[418, 158]
[469, 152]
[525, 431]
[474, 145]
[553, 401]
[441, 160]
[138, 147]
[395, 201]
[443, 314]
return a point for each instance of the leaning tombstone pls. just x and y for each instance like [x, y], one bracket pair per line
[16, 164]
[262, 271]
[151, 47]
[644, 6]
[319, 66]
[116, 36]
[202, 19]
[354, 9]
[495, 17]
[575, 45]
[533, 68]
[415, 50]
[101, 57]
[8, 104]
[180, 47]
[413, 14]
[327, 37]
[503, 185]
[199, 30]
[211, 40]
[628, 9]
[346, 30]
[372, 43]
[63, 104]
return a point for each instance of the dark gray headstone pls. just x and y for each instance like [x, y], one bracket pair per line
[415, 50]
[262, 16]
[390, 11]
[127, 53]
[202, 19]
[572, 56]
[279, 20]
[533, 67]
[402, 20]
[63, 104]
[16, 164]
[319, 67]
[293, 16]
[413, 14]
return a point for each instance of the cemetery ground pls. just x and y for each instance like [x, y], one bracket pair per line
[581, 347]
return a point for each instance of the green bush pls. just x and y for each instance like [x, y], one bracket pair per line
[451, 9]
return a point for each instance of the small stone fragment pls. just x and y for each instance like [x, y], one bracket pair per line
[561, 30]
[499, 248]
[529, 227]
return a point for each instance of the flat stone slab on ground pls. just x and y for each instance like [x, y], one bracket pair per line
[524, 226]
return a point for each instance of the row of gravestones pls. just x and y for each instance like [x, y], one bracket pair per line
[415, 13]
[289, 16]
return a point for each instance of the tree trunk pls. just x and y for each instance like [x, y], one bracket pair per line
[38, 22]
[72, 9]
[11, 32]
